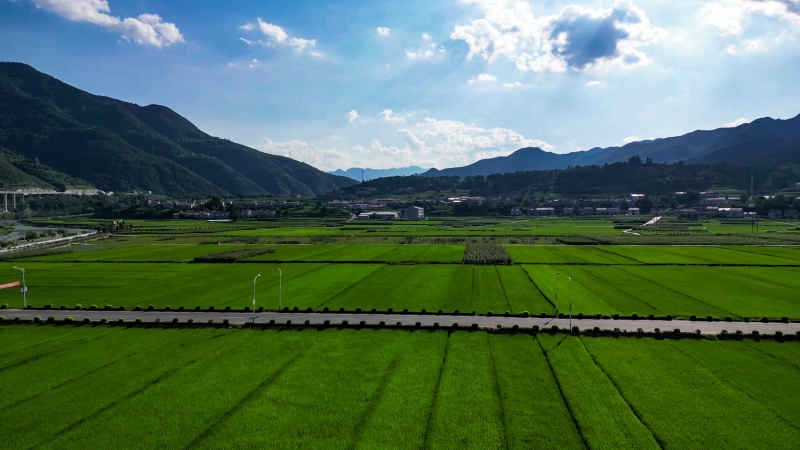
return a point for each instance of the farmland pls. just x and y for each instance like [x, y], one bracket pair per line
[70, 386]
[105, 387]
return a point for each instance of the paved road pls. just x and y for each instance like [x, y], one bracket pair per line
[410, 320]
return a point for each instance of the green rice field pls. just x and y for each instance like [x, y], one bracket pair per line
[115, 387]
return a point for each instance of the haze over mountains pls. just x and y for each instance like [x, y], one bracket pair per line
[763, 140]
[356, 173]
[55, 135]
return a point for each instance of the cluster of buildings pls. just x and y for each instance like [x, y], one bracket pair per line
[575, 211]
[410, 213]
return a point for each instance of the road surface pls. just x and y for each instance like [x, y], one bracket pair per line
[409, 320]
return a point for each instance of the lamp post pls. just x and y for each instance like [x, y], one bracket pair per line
[569, 299]
[24, 287]
[254, 291]
[280, 289]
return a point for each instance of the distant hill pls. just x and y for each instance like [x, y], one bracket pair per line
[355, 173]
[616, 179]
[80, 138]
[762, 140]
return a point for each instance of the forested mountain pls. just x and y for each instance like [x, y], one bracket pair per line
[119, 146]
[613, 179]
[762, 140]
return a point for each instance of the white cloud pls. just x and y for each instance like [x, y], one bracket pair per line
[577, 38]
[737, 122]
[747, 46]
[426, 37]
[427, 142]
[483, 78]
[389, 116]
[730, 17]
[594, 83]
[423, 53]
[383, 31]
[629, 139]
[145, 29]
[352, 116]
[275, 36]
[512, 85]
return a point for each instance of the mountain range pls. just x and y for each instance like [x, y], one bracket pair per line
[763, 140]
[356, 173]
[55, 135]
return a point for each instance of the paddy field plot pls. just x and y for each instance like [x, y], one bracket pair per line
[116, 387]
[679, 291]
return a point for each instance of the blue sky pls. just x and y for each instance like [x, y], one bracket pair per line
[436, 84]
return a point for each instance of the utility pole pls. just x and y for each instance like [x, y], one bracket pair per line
[24, 287]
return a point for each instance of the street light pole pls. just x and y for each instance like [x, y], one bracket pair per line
[569, 299]
[280, 289]
[254, 291]
[24, 287]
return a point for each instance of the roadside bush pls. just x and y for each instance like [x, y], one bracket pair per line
[78, 306]
[4, 306]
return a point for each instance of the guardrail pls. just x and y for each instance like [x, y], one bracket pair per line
[47, 243]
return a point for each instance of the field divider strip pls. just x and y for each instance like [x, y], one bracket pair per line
[498, 391]
[434, 401]
[374, 400]
[261, 387]
[775, 357]
[561, 392]
[735, 387]
[683, 294]
[541, 292]
[161, 377]
[352, 285]
[636, 413]
[503, 288]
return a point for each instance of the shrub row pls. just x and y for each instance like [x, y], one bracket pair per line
[594, 332]
[423, 312]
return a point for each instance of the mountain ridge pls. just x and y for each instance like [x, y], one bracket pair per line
[764, 138]
[121, 146]
[355, 173]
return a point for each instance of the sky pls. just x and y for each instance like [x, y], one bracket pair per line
[384, 84]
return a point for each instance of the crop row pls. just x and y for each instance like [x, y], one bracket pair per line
[106, 387]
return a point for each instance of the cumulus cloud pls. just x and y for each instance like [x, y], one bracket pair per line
[426, 37]
[729, 17]
[428, 142]
[577, 38]
[275, 36]
[483, 78]
[512, 85]
[737, 122]
[352, 116]
[145, 29]
[383, 31]
[594, 83]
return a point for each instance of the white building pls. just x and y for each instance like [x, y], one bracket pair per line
[414, 213]
[391, 215]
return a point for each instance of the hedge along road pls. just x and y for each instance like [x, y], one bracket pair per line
[407, 320]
